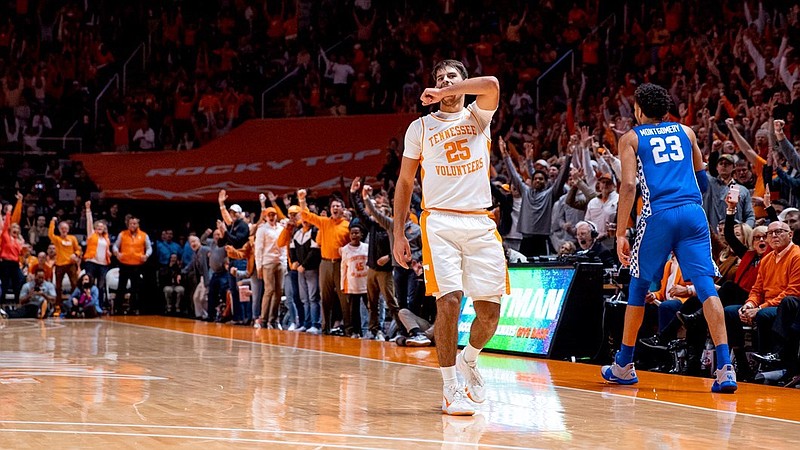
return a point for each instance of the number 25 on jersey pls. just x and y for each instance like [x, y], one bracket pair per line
[660, 152]
[457, 151]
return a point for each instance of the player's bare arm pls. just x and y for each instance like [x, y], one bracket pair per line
[402, 202]
[450, 84]
[697, 155]
[627, 193]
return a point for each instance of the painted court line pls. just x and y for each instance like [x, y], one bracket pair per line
[588, 391]
[663, 402]
[176, 436]
[237, 430]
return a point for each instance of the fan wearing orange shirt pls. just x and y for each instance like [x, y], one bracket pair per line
[333, 234]
[68, 255]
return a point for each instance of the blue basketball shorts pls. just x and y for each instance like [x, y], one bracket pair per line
[683, 230]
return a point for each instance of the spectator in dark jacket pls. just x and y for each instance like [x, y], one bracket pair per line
[406, 281]
[169, 280]
[379, 273]
[304, 250]
[235, 233]
[199, 276]
[591, 248]
[501, 193]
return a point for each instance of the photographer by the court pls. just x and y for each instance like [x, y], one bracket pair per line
[591, 248]
[34, 298]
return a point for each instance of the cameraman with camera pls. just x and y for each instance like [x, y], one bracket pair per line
[35, 297]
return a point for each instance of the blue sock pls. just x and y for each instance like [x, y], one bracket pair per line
[624, 355]
[723, 355]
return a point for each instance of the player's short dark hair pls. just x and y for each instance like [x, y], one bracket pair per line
[540, 172]
[653, 100]
[445, 63]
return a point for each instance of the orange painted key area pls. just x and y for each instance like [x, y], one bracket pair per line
[155, 382]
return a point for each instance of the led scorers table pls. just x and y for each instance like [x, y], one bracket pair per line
[553, 311]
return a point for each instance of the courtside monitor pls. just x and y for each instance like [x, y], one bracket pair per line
[530, 315]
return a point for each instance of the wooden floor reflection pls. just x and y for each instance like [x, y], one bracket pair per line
[155, 382]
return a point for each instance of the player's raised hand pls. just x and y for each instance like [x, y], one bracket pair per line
[501, 144]
[431, 96]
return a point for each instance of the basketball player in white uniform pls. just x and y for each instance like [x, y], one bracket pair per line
[462, 253]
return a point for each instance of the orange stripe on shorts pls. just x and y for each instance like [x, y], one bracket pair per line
[508, 282]
[431, 287]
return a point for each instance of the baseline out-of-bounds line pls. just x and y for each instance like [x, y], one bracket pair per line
[657, 401]
[241, 430]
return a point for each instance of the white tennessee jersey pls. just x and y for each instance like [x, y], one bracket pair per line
[354, 268]
[453, 149]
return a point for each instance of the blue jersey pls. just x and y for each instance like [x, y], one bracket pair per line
[665, 167]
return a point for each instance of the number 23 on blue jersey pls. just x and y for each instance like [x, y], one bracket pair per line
[666, 149]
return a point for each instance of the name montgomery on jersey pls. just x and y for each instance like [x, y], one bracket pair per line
[659, 130]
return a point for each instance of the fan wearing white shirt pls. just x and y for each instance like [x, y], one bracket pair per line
[97, 257]
[145, 137]
[269, 263]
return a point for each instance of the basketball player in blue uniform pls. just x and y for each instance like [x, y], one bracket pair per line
[665, 158]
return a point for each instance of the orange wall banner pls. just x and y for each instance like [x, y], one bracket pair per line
[278, 155]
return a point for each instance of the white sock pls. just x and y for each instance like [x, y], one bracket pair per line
[449, 376]
[470, 353]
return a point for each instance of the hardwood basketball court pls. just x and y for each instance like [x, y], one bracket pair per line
[154, 382]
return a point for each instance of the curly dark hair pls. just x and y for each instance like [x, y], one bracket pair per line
[653, 99]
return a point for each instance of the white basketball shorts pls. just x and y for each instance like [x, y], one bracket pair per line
[463, 252]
